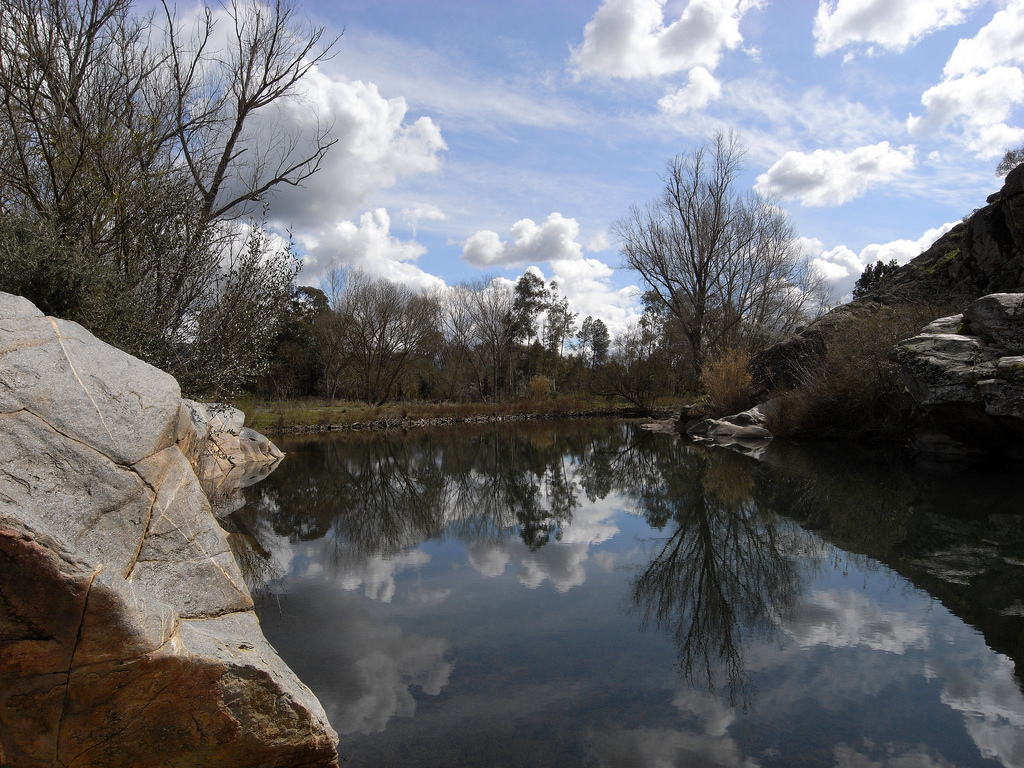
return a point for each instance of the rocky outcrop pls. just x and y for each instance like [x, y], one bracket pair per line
[127, 636]
[226, 455]
[983, 254]
[743, 431]
[966, 374]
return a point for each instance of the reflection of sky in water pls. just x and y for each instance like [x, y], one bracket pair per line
[487, 652]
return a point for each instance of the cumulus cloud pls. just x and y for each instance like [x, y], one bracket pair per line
[834, 177]
[586, 282]
[422, 212]
[630, 39]
[892, 24]
[915, 758]
[702, 89]
[373, 666]
[599, 242]
[990, 701]
[999, 42]
[981, 102]
[376, 574]
[846, 620]
[554, 239]
[559, 562]
[367, 245]
[981, 87]
[843, 266]
[375, 146]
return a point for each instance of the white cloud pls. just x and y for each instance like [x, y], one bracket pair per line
[980, 89]
[375, 147]
[982, 103]
[554, 239]
[702, 89]
[629, 38]
[843, 266]
[423, 212]
[454, 90]
[367, 245]
[586, 282]
[990, 700]
[559, 562]
[833, 177]
[892, 24]
[373, 667]
[999, 42]
[599, 242]
[915, 758]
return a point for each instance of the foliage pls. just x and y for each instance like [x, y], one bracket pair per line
[723, 263]
[540, 387]
[872, 275]
[594, 341]
[374, 334]
[139, 151]
[1011, 160]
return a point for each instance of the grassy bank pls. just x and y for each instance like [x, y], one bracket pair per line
[310, 415]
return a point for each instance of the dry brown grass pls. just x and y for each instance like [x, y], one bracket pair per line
[726, 382]
[856, 391]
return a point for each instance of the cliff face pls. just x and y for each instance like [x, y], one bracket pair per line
[127, 636]
[983, 254]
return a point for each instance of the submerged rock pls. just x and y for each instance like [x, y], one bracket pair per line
[127, 636]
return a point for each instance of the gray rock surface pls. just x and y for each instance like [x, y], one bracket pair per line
[743, 431]
[970, 384]
[980, 256]
[126, 631]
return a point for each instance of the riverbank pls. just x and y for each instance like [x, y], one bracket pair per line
[305, 416]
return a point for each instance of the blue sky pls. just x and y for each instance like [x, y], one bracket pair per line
[476, 139]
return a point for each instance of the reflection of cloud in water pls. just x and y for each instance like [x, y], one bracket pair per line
[713, 711]
[849, 758]
[373, 668]
[560, 562]
[377, 574]
[606, 560]
[992, 706]
[662, 747]
[489, 558]
[846, 620]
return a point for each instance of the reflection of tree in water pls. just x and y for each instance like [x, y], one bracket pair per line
[725, 568]
[384, 494]
[714, 581]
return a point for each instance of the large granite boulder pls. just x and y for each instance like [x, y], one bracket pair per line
[127, 636]
[966, 374]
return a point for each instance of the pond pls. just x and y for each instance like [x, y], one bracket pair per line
[594, 594]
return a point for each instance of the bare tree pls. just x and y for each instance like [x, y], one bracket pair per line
[146, 151]
[382, 329]
[723, 263]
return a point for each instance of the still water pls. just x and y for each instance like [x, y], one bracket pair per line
[593, 594]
